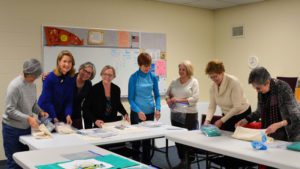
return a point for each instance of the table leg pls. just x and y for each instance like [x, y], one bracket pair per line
[186, 158]
[167, 154]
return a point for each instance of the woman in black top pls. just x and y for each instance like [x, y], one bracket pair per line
[83, 78]
[104, 100]
[277, 107]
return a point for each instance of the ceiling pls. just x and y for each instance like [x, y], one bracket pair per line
[210, 4]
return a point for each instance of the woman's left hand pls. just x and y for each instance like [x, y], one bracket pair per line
[69, 120]
[219, 123]
[44, 114]
[157, 115]
[273, 128]
[126, 117]
[173, 100]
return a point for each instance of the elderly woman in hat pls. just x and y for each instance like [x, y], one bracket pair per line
[20, 110]
[277, 107]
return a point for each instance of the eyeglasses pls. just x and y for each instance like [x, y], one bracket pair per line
[108, 75]
[87, 72]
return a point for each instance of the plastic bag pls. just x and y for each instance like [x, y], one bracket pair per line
[210, 130]
[47, 122]
[294, 146]
[260, 145]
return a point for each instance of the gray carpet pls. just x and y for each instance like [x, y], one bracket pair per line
[159, 159]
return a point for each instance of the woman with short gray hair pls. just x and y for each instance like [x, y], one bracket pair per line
[277, 107]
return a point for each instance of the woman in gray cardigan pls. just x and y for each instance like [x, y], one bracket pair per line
[277, 107]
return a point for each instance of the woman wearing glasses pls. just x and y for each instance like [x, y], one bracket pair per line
[226, 92]
[83, 78]
[277, 107]
[104, 100]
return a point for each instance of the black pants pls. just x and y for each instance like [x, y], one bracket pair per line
[229, 125]
[146, 144]
[191, 123]
[77, 123]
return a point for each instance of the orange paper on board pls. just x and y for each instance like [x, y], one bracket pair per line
[123, 39]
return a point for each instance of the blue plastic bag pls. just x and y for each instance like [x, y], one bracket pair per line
[260, 145]
[210, 130]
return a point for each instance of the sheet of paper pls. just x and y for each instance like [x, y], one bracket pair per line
[123, 39]
[160, 68]
[97, 132]
[88, 162]
[81, 155]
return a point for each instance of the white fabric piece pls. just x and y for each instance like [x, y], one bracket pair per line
[42, 132]
[248, 134]
[63, 128]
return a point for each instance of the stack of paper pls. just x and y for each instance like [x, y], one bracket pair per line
[97, 132]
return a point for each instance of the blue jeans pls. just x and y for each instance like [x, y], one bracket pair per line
[12, 144]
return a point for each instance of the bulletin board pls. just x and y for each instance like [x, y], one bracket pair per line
[102, 47]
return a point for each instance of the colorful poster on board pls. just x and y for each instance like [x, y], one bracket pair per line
[57, 36]
[160, 68]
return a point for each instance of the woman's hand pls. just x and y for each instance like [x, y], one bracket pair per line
[44, 114]
[32, 122]
[69, 120]
[169, 102]
[44, 75]
[142, 116]
[157, 115]
[274, 127]
[219, 123]
[173, 100]
[99, 123]
[242, 122]
[126, 117]
[206, 122]
[55, 120]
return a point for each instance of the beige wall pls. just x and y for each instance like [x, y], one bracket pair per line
[189, 31]
[272, 33]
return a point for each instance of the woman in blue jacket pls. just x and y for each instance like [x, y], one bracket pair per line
[143, 104]
[58, 88]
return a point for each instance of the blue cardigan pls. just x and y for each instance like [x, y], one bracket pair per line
[57, 96]
[142, 91]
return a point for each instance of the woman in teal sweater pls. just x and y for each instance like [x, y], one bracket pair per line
[143, 104]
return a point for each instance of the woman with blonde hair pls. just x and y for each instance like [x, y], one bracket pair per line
[58, 88]
[104, 100]
[182, 96]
